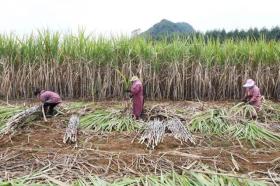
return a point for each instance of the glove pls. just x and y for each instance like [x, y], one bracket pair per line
[48, 101]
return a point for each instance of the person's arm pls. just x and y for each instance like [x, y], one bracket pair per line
[254, 97]
[245, 98]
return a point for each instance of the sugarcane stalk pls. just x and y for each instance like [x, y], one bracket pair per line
[178, 130]
[44, 114]
[70, 135]
[153, 134]
[17, 120]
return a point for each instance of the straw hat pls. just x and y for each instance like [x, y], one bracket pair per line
[249, 83]
[134, 78]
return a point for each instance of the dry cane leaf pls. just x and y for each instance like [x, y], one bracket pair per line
[234, 163]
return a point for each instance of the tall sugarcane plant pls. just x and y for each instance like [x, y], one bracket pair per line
[80, 65]
[126, 81]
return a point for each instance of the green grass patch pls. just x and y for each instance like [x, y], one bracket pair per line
[6, 112]
[105, 121]
[169, 179]
[236, 122]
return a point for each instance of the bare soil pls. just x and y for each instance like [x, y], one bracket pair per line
[39, 147]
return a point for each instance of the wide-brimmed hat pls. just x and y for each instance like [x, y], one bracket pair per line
[249, 83]
[134, 78]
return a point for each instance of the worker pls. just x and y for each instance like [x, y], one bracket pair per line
[136, 93]
[252, 96]
[49, 99]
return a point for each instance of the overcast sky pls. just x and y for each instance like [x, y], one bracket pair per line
[123, 16]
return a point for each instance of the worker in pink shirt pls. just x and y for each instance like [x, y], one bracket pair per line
[49, 99]
[137, 94]
[252, 95]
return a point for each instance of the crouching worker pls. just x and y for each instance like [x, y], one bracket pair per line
[49, 99]
[252, 96]
[136, 93]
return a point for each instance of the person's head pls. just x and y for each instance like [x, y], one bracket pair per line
[36, 91]
[134, 78]
[249, 83]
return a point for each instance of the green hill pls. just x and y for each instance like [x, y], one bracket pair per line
[168, 28]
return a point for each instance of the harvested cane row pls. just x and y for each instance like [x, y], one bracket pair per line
[234, 121]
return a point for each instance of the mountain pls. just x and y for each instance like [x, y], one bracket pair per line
[168, 28]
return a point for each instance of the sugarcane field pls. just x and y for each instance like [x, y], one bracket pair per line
[138, 116]
[168, 106]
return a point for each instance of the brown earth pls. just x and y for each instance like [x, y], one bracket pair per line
[39, 146]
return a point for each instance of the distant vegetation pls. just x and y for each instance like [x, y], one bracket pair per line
[167, 28]
[251, 34]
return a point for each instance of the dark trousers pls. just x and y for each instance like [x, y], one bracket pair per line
[49, 108]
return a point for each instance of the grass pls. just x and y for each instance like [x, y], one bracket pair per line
[168, 179]
[105, 121]
[6, 112]
[253, 132]
[242, 111]
[235, 122]
[212, 121]
[270, 111]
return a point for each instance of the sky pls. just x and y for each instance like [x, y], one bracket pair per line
[115, 17]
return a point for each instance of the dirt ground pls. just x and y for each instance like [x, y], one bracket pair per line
[39, 148]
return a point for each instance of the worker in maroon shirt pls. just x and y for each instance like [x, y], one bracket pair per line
[252, 95]
[136, 93]
[49, 99]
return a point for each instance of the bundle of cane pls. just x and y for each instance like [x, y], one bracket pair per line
[178, 130]
[70, 135]
[17, 120]
[153, 134]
